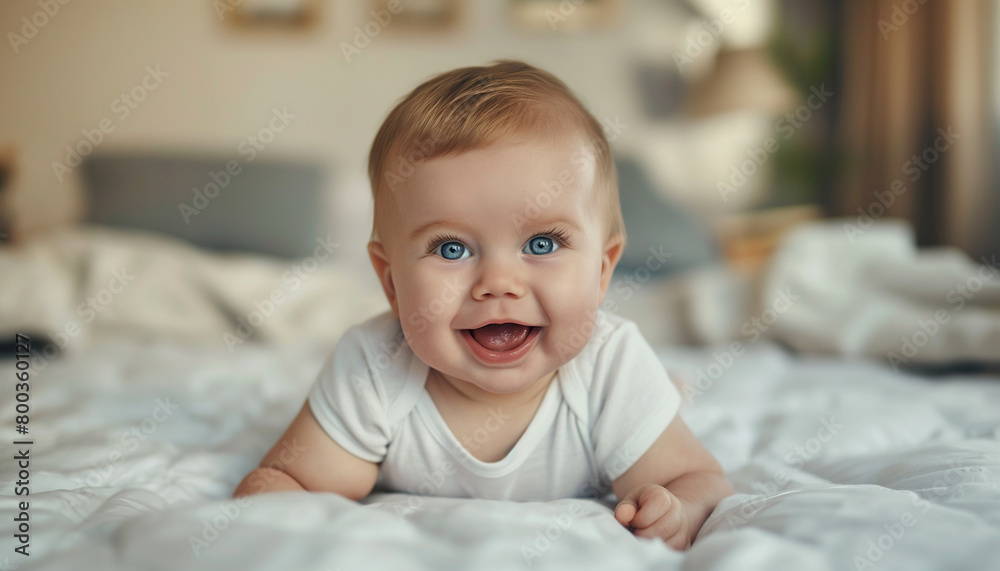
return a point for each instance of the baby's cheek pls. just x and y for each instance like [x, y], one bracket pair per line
[428, 299]
[410, 316]
[572, 309]
[576, 290]
[417, 312]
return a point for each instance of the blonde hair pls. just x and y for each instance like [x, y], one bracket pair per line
[472, 107]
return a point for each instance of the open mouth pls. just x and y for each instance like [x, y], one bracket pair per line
[501, 342]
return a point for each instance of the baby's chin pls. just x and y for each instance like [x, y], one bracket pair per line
[507, 386]
[495, 380]
[504, 383]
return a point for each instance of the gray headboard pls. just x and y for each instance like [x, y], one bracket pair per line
[266, 206]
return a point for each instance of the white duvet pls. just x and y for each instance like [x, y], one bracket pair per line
[144, 427]
[79, 284]
[838, 465]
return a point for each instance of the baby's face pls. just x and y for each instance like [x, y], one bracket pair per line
[512, 234]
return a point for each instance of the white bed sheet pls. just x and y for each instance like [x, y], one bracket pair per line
[898, 445]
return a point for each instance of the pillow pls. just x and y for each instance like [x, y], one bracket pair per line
[266, 206]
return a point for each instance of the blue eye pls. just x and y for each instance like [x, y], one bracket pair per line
[452, 250]
[540, 245]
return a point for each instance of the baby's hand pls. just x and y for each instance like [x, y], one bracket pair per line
[652, 511]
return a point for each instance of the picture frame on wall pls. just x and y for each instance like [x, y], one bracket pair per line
[564, 16]
[270, 15]
[419, 16]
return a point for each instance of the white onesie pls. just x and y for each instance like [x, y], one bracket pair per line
[600, 414]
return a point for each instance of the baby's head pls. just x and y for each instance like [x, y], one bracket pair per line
[496, 201]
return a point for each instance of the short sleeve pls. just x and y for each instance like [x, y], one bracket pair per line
[349, 402]
[632, 401]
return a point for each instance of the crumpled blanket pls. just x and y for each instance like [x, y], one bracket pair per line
[838, 289]
[77, 284]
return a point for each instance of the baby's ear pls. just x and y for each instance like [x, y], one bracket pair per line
[380, 261]
[613, 250]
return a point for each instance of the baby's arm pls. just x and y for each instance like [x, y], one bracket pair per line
[672, 489]
[306, 458]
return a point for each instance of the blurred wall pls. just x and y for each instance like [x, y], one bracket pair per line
[994, 244]
[221, 85]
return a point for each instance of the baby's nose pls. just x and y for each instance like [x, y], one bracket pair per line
[498, 279]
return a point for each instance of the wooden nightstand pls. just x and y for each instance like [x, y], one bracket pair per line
[748, 239]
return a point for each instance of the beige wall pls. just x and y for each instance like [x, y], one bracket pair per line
[223, 84]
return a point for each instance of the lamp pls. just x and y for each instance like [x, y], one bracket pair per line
[741, 80]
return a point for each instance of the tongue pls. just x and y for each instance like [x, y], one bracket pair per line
[501, 336]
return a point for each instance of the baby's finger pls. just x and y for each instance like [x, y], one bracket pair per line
[629, 505]
[669, 528]
[625, 511]
[654, 505]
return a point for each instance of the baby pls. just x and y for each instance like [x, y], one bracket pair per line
[496, 375]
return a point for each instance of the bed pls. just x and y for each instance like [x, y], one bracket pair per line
[147, 419]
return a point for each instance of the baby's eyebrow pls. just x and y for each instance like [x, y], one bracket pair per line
[424, 227]
[534, 225]
[541, 224]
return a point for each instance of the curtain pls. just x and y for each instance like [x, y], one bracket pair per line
[917, 88]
